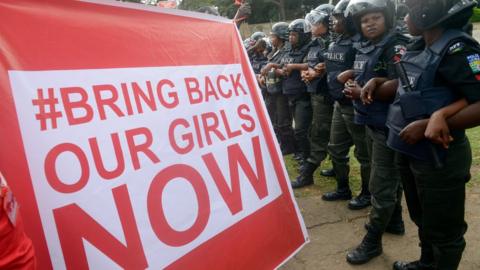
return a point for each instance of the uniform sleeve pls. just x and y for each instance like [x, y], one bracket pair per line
[460, 70]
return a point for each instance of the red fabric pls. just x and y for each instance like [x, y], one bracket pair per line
[16, 250]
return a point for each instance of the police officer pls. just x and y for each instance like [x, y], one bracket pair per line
[275, 100]
[258, 60]
[294, 87]
[380, 48]
[344, 132]
[313, 74]
[443, 66]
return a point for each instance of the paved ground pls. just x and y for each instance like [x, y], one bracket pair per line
[333, 230]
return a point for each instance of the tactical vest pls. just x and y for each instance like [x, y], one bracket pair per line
[314, 57]
[424, 98]
[338, 58]
[293, 83]
[258, 61]
[274, 83]
[366, 59]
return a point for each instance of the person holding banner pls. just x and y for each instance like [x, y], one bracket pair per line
[442, 68]
[16, 249]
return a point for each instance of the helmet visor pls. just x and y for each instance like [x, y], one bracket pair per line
[360, 7]
[315, 18]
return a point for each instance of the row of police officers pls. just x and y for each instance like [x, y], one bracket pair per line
[347, 76]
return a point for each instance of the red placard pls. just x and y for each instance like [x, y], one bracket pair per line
[135, 137]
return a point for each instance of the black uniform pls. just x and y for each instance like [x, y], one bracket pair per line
[384, 182]
[277, 105]
[322, 105]
[436, 196]
[344, 132]
[298, 98]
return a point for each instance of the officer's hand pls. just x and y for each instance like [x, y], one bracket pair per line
[266, 69]
[437, 130]
[352, 90]
[320, 69]
[304, 75]
[261, 80]
[280, 72]
[368, 91]
[414, 132]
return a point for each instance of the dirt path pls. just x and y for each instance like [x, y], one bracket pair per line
[333, 229]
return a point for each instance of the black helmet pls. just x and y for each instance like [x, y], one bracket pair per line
[358, 8]
[280, 29]
[299, 26]
[426, 14]
[320, 15]
[209, 10]
[325, 8]
[257, 35]
[340, 7]
[340, 11]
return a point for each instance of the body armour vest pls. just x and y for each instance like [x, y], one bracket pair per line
[258, 61]
[374, 114]
[338, 58]
[293, 83]
[315, 56]
[422, 98]
[274, 83]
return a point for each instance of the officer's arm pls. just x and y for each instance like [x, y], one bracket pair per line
[345, 76]
[386, 90]
[468, 117]
[302, 66]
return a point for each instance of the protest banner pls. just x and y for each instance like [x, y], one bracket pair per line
[135, 137]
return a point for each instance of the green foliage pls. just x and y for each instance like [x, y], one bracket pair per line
[476, 15]
[262, 11]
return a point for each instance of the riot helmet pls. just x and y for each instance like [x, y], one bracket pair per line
[298, 26]
[209, 10]
[257, 35]
[325, 8]
[426, 14]
[318, 16]
[340, 12]
[280, 29]
[358, 8]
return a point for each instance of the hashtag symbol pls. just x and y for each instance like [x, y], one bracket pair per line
[46, 103]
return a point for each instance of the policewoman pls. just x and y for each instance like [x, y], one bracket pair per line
[380, 48]
[344, 132]
[313, 74]
[275, 100]
[441, 68]
[294, 87]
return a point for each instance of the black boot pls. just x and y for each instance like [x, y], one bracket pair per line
[343, 191]
[328, 172]
[426, 261]
[415, 265]
[369, 248]
[337, 195]
[361, 201]
[306, 176]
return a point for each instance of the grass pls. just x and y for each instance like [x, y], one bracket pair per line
[476, 15]
[324, 184]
